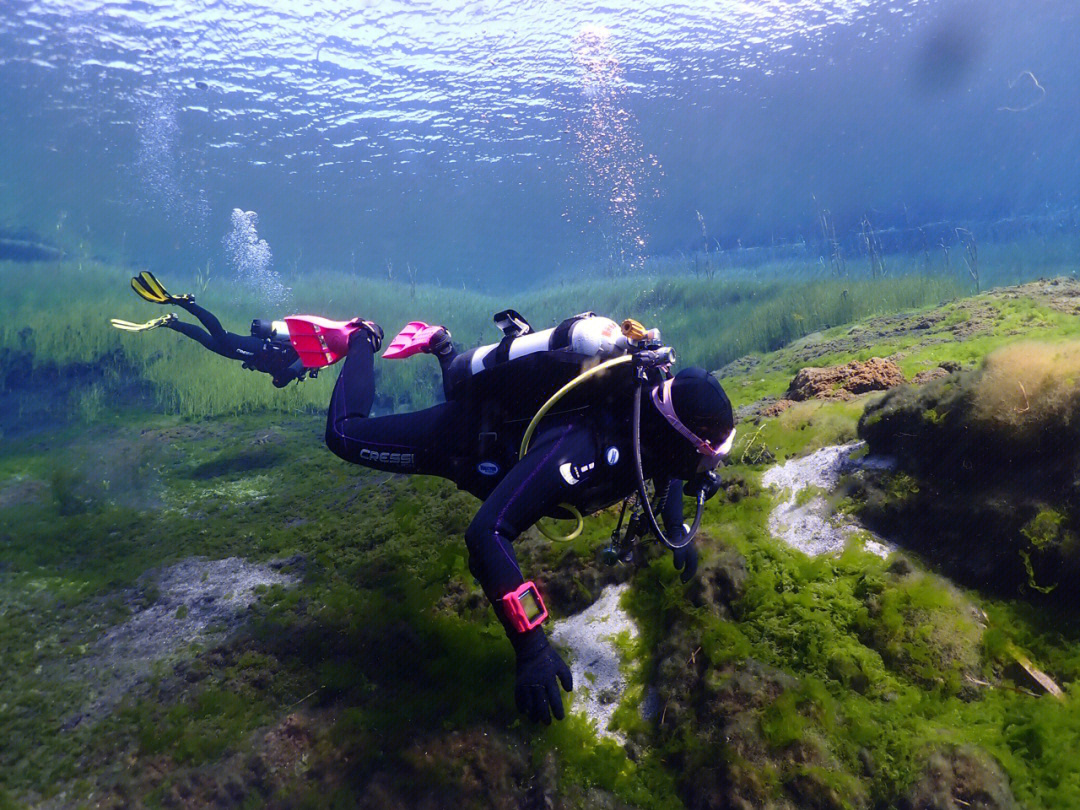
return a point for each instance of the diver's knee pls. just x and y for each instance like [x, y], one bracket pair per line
[335, 442]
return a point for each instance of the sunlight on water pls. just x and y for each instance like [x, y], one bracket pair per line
[550, 135]
[609, 150]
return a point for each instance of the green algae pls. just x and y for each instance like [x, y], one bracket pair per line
[831, 681]
[882, 663]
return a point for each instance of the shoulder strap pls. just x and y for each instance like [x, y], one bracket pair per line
[502, 351]
[560, 338]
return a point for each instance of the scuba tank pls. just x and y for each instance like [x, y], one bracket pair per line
[587, 334]
[530, 362]
[270, 330]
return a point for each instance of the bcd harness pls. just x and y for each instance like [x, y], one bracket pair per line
[588, 346]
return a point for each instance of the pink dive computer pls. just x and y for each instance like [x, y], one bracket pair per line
[524, 607]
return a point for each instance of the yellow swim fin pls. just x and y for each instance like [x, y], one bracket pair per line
[147, 287]
[128, 326]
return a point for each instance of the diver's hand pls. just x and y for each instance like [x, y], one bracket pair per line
[537, 690]
[685, 559]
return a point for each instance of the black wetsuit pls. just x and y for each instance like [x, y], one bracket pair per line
[582, 456]
[273, 357]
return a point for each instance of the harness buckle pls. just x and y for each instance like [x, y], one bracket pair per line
[512, 324]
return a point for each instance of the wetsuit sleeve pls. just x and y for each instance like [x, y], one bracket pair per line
[532, 488]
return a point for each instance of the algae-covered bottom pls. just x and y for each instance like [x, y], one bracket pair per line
[361, 666]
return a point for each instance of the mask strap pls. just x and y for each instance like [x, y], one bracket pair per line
[661, 396]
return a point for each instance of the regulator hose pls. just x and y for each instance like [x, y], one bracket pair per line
[575, 513]
[540, 414]
[643, 493]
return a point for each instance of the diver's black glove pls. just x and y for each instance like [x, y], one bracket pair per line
[685, 559]
[539, 673]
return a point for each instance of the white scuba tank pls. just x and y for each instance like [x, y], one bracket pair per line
[591, 336]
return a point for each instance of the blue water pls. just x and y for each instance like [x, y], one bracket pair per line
[501, 143]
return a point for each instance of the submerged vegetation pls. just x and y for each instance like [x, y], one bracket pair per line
[378, 677]
[992, 455]
[41, 332]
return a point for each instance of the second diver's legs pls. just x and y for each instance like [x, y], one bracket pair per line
[206, 318]
[195, 333]
[227, 344]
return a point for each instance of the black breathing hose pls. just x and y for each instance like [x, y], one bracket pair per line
[643, 493]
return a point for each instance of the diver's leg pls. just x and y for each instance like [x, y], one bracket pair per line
[206, 318]
[418, 442]
[442, 346]
[245, 348]
[227, 344]
[354, 392]
[194, 332]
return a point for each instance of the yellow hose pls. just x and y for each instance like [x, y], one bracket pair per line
[547, 406]
[540, 414]
[573, 510]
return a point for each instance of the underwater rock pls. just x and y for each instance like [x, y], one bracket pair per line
[846, 381]
[721, 581]
[811, 524]
[958, 778]
[20, 490]
[929, 375]
[595, 662]
[776, 408]
[742, 758]
[299, 757]
[988, 480]
[474, 767]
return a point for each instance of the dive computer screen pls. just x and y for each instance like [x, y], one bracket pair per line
[530, 604]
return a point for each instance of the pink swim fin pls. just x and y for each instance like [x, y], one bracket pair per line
[320, 341]
[413, 339]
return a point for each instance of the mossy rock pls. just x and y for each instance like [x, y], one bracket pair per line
[988, 479]
[959, 778]
[721, 580]
[922, 627]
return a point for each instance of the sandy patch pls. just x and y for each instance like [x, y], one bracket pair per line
[810, 524]
[589, 636]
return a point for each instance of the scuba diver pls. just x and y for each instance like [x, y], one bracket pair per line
[618, 420]
[544, 424]
[267, 349]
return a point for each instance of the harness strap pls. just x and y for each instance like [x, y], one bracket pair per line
[502, 351]
[560, 338]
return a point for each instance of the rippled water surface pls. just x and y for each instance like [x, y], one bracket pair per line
[493, 141]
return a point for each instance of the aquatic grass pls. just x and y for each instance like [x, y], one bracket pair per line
[710, 321]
